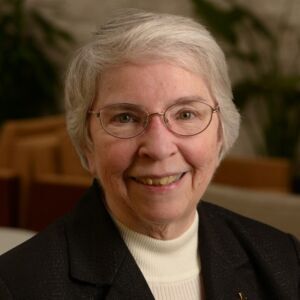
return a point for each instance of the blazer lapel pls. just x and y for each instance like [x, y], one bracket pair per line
[226, 271]
[129, 283]
[97, 253]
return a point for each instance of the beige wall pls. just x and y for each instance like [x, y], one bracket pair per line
[83, 16]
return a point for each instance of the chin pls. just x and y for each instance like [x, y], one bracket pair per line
[165, 215]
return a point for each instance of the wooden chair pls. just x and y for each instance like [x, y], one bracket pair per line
[14, 130]
[255, 173]
[57, 181]
[51, 196]
[9, 197]
[34, 155]
[21, 143]
[69, 162]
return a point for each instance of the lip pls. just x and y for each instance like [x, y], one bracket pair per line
[158, 187]
[155, 176]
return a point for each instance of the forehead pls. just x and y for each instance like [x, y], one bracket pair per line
[156, 84]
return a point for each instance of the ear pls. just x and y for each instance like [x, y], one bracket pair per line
[90, 157]
[220, 143]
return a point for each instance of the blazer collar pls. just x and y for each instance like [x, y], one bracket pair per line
[97, 253]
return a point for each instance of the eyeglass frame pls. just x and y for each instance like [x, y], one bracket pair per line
[162, 116]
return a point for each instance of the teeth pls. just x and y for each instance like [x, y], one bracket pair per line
[159, 181]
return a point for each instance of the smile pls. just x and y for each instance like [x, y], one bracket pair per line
[155, 181]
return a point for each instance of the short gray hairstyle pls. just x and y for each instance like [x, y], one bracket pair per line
[137, 36]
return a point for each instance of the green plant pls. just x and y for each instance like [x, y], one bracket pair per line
[264, 81]
[29, 81]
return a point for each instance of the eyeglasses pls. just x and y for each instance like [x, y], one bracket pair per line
[126, 120]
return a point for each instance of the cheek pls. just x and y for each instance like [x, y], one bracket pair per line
[109, 159]
[113, 161]
[204, 158]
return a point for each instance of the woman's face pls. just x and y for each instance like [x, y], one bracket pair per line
[154, 181]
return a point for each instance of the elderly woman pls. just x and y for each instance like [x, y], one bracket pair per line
[150, 112]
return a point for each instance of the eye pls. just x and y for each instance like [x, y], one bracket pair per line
[186, 115]
[125, 117]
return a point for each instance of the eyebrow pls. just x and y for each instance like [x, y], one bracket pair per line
[190, 99]
[185, 99]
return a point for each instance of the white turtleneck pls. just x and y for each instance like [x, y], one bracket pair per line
[170, 267]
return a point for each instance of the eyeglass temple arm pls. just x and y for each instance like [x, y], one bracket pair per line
[92, 112]
[216, 109]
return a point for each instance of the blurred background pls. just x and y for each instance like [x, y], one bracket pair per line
[40, 174]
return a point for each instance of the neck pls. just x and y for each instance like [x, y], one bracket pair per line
[165, 231]
[160, 230]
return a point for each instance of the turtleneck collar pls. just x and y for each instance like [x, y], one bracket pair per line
[165, 260]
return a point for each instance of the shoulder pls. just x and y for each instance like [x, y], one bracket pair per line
[38, 258]
[55, 263]
[238, 222]
[253, 234]
[49, 240]
[213, 211]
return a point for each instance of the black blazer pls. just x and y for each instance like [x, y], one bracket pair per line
[82, 256]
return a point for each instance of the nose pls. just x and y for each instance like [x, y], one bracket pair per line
[157, 142]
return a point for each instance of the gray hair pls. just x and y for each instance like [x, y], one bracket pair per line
[137, 36]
